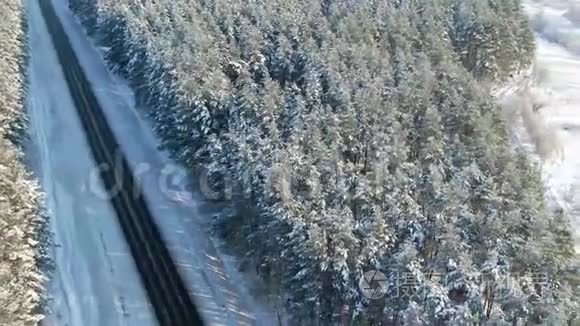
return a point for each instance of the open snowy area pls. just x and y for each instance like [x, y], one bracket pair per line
[95, 280]
[555, 93]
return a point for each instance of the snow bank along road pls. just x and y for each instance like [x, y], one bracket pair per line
[165, 288]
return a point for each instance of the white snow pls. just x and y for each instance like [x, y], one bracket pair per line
[220, 291]
[555, 128]
[95, 281]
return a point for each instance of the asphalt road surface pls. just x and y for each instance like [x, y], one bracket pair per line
[165, 288]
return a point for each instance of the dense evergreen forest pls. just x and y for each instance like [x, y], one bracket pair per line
[20, 279]
[355, 135]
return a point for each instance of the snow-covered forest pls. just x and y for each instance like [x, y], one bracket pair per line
[21, 282]
[347, 136]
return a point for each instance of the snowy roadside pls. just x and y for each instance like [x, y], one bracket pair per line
[222, 293]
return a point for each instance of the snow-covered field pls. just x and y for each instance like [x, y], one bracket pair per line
[95, 282]
[554, 129]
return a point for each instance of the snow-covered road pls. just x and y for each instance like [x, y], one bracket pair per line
[557, 93]
[95, 281]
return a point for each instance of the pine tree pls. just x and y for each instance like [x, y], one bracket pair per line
[22, 233]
